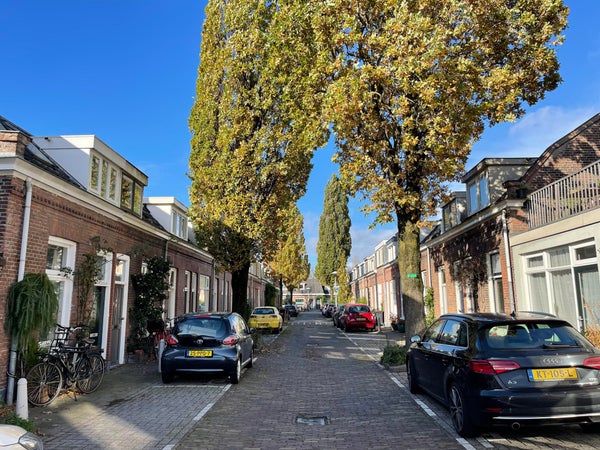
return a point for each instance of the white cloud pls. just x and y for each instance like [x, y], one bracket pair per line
[531, 135]
[364, 240]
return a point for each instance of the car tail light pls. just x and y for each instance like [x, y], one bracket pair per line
[273, 316]
[172, 340]
[593, 362]
[230, 340]
[492, 366]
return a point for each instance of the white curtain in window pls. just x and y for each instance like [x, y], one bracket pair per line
[564, 296]
[589, 284]
[538, 292]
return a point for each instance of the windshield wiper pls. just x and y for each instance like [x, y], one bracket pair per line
[557, 345]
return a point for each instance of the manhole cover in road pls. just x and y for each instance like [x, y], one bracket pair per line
[312, 420]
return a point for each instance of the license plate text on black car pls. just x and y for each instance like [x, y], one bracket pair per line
[558, 374]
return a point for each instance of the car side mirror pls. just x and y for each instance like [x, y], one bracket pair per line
[416, 339]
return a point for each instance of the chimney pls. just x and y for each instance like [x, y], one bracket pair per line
[13, 143]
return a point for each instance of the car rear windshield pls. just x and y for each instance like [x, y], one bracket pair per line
[215, 327]
[359, 309]
[529, 335]
[264, 311]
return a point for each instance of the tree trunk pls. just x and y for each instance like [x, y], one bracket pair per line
[239, 288]
[411, 284]
[280, 291]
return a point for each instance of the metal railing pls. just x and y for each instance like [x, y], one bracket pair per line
[566, 197]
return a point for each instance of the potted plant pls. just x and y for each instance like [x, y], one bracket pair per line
[397, 323]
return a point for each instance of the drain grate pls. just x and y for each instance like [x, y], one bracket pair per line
[312, 420]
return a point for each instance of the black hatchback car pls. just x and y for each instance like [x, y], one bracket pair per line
[490, 369]
[219, 343]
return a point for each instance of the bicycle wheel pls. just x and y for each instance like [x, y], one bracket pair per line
[44, 383]
[90, 371]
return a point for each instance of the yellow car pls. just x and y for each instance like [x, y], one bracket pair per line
[266, 318]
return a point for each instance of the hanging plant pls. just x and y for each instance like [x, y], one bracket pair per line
[31, 310]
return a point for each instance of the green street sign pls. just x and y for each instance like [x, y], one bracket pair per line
[412, 275]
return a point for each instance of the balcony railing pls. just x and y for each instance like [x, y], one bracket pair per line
[566, 197]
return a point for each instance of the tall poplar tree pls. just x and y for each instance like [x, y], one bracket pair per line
[414, 84]
[335, 242]
[255, 124]
[291, 261]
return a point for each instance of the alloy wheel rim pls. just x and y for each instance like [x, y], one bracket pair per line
[456, 409]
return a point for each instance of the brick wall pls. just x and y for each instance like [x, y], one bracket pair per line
[578, 149]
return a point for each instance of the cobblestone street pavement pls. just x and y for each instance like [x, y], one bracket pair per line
[313, 387]
[317, 389]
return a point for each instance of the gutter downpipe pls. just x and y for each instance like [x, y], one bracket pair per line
[511, 294]
[12, 366]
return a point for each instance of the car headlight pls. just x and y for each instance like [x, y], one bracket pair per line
[31, 441]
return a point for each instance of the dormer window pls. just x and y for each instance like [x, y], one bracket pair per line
[179, 225]
[103, 178]
[478, 193]
[131, 195]
[450, 215]
[104, 182]
[453, 212]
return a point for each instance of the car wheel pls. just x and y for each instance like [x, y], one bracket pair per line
[167, 377]
[460, 413]
[234, 377]
[411, 375]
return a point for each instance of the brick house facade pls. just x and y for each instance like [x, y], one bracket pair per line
[51, 217]
[523, 235]
[376, 281]
[472, 262]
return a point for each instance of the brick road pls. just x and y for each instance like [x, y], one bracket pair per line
[313, 387]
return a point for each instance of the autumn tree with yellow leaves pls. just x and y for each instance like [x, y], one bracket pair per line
[255, 124]
[413, 84]
[290, 262]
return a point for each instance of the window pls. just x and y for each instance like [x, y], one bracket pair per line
[103, 178]
[495, 283]
[391, 252]
[131, 195]
[454, 333]
[586, 252]
[95, 173]
[193, 289]
[443, 293]
[60, 255]
[186, 290]
[451, 214]
[432, 332]
[552, 280]
[478, 193]
[203, 292]
[179, 226]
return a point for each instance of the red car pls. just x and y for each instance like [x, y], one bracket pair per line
[357, 317]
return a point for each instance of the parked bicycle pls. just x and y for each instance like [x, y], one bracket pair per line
[71, 360]
[158, 331]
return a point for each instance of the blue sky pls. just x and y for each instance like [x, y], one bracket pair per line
[125, 70]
